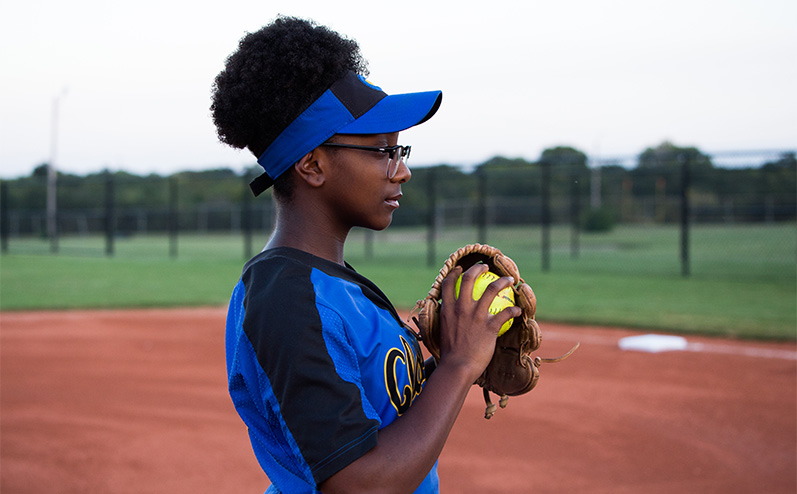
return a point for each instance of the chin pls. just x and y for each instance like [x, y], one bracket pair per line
[380, 225]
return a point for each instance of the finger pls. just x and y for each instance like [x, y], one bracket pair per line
[470, 276]
[494, 288]
[506, 314]
[449, 283]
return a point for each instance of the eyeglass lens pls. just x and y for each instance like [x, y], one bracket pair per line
[401, 153]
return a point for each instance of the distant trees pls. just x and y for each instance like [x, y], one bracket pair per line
[509, 187]
[667, 155]
[565, 156]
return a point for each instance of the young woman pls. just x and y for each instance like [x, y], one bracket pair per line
[322, 370]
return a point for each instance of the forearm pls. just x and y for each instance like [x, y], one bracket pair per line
[408, 448]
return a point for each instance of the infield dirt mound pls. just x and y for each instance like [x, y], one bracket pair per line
[136, 402]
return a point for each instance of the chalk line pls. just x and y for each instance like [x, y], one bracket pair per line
[747, 351]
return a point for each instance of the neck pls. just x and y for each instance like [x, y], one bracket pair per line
[308, 231]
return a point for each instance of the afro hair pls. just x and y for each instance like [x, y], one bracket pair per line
[276, 74]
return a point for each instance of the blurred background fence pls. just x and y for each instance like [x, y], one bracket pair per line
[667, 211]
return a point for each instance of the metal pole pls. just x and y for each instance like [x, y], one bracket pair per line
[52, 179]
[481, 176]
[595, 185]
[369, 243]
[432, 220]
[685, 179]
[173, 216]
[546, 215]
[575, 213]
[110, 222]
[4, 228]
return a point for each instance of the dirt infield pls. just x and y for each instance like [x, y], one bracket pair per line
[136, 402]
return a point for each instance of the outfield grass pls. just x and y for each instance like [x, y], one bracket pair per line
[742, 281]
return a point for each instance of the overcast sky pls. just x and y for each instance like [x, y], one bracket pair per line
[132, 79]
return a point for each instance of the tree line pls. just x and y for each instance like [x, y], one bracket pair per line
[658, 172]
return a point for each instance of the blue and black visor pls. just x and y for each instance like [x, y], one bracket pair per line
[351, 105]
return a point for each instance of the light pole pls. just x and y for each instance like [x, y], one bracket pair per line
[52, 178]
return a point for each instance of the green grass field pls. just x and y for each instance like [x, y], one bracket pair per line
[742, 278]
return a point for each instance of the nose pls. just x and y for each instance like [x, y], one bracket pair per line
[403, 174]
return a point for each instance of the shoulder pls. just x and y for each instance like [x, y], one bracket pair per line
[276, 263]
[280, 274]
[277, 289]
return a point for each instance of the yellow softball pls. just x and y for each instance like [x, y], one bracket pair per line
[504, 299]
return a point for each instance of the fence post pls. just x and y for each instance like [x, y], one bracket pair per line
[246, 217]
[575, 213]
[110, 224]
[685, 182]
[546, 214]
[481, 215]
[52, 207]
[4, 228]
[369, 243]
[431, 232]
[173, 216]
[595, 186]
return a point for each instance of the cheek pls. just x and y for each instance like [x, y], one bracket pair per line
[358, 177]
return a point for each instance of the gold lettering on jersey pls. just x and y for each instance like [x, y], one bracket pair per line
[411, 365]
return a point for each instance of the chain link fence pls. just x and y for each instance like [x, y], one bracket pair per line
[726, 214]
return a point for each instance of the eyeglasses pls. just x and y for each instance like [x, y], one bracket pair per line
[396, 154]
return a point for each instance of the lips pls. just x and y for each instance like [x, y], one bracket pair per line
[393, 201]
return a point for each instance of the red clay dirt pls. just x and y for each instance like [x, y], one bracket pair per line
[136, 402]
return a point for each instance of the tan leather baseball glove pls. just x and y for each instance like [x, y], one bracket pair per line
[511, 371]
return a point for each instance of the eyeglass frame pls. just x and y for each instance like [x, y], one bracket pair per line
[403, 153]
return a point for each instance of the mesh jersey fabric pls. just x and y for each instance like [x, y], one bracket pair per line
[318, 361]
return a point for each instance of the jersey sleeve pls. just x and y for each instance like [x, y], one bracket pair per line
[310, 375]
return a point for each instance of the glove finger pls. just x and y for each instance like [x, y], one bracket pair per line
[526, 299]
[506, 266]
[429, 325]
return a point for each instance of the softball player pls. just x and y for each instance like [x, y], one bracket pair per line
[330, 383]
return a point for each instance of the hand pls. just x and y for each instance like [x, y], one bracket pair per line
[409, 446]
[467, 329]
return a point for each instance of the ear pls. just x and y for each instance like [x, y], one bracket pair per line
[310, 171]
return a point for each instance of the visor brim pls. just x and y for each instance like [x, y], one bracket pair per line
[395, 113]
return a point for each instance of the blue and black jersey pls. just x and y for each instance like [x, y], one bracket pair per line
[318, 361]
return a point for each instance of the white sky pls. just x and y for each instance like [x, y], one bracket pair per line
[607, 77]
